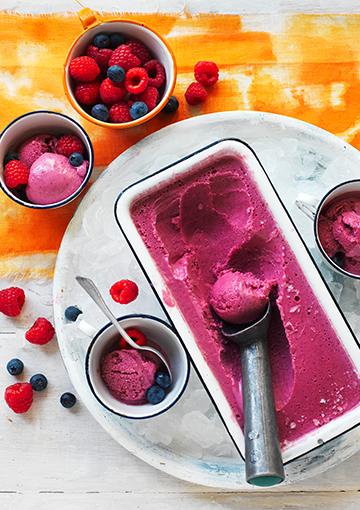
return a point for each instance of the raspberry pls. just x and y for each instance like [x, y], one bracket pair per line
[123, 57]
[150, 97]
[206, 73]
[16, 174]
[140, 51]
[41, 332]
[124, 291]
[195, 93]
[156, 73]
[11, 301]
[67, 144]
[120, 112]
[136, 80]
[19, 397]
[101, 56]
[84, 69]
[136, 335]
[87, 93]
[111, 92]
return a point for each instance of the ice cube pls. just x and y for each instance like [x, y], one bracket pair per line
[199, 428]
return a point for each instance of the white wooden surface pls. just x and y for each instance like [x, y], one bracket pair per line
[52, 458]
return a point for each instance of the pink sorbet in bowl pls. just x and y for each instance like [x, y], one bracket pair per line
[35, 147]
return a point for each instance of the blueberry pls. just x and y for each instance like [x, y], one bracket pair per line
[38, 382]
[172, 105]
[72, 313]
[116, 74]
[67, 400]
[15, 366]
[138, 109]
[101, 41]
[163, 379]
[76, 159]
[155, 394]
[10, 156]
[339, 259]
[116, 40]
[100, 112]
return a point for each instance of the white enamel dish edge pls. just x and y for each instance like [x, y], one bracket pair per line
[94, 226]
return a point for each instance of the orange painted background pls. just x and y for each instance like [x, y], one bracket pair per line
[305, 66]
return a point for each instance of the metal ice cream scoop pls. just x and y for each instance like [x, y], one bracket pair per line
[263, 461]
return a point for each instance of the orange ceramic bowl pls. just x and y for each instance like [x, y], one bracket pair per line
[132, 29]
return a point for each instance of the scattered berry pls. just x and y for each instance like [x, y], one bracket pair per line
[172, 105]
[100, 112]
[16, 174]
[136, 335]
[124, 291]
[110, 92]
[72, 313]
[155, 394]
[87, 93]
[10, 156]
[206, 73]
[150, 97]
[136, 80]
[101, 41]
[163, 380]
[67, 144]
[195, 93]
[101, 56]
[123, 57]
[11, 301]
[116, 74]
[38, 382]
[76, 159]
[15, 366]
[156, 73]
[19, 397]
[120, 112]
[116, 40]
[140, 51]
[138, 109]
[41, 332]
[67, 400]
[84, 69]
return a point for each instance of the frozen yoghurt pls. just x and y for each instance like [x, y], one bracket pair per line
[35, 147]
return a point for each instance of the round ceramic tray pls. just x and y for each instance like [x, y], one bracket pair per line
[189, 441]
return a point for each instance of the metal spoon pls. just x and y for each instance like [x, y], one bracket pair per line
[91, 289]
[263, 461]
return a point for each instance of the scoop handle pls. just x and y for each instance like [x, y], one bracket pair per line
[264, 466]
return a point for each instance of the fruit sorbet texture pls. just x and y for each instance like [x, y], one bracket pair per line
[214, 219]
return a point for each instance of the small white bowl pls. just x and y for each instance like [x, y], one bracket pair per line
[170, 344]
[36, 123]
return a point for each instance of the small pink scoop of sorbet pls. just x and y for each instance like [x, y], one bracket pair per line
[239, 298]
[35, 147]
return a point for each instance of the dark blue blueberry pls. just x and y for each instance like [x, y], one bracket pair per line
[15, 366]
[100, 112]
[116, 74]
[155, 394]
[172, 105]
[138, 109]
[163, 379]
[72, 313]
[101, 41]
[10, 156]
[38, 382]
[116, 40]
[76, 159]
[339, 259]
[67, 400]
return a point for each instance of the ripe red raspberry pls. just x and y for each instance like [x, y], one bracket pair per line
[84, 69]
[124, 291]
[206, 73]
[87, 93]
[111, 92]
[67, 144]
[16, 174]
[120, 112]
[41, 332]
[100, 55]
[19, 397]
[156, 73]
[140, 51]
[195, 93]
[136, 80]
[150, 97]
[11, 301]
[123, 57]
[136, 335]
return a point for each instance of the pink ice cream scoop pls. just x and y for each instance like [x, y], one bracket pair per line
[35, 147]
[128, 374]
[52, 179]
[239, 298]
